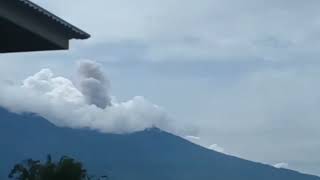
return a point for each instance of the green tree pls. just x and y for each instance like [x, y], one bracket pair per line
[65, 169]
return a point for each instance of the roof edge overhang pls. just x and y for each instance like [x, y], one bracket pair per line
[51, 32]
[76, 32]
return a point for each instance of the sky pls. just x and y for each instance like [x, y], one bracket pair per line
[239, 77]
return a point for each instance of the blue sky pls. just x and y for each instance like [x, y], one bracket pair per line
[242, 75]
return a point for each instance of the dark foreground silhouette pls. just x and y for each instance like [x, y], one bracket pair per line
[65, 169]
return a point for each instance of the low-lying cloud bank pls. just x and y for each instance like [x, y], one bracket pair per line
[84, 104]
[282, 165]
[216, 147]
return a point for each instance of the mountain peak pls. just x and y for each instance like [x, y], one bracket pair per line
[154, 129]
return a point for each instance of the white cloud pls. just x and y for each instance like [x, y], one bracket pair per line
[193, 138]
[281, 165]
[58, 99]
[216, 147]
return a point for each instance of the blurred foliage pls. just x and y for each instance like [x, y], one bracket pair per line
[65, 169]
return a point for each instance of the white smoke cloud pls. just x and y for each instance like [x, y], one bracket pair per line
[216, 147]
[63, 104]
[193, 137]
[281, 165]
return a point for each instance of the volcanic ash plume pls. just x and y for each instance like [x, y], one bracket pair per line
[93, 84]
[87, 105]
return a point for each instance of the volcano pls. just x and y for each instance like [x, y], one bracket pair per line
[149, 154]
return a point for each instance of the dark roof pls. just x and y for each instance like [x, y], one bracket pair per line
[74, 31]
[25, 26]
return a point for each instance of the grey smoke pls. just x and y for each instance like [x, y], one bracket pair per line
[87, 105]
[93, 84]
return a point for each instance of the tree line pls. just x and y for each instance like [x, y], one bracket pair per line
[65, 169]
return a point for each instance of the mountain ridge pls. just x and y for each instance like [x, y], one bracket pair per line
[150, 154]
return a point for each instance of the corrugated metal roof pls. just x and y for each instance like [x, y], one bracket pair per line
[76, 32]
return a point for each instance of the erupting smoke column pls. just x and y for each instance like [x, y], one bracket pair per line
[93, 84]
[87, 105]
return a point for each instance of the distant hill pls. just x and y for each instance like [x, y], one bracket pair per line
[148, 155]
